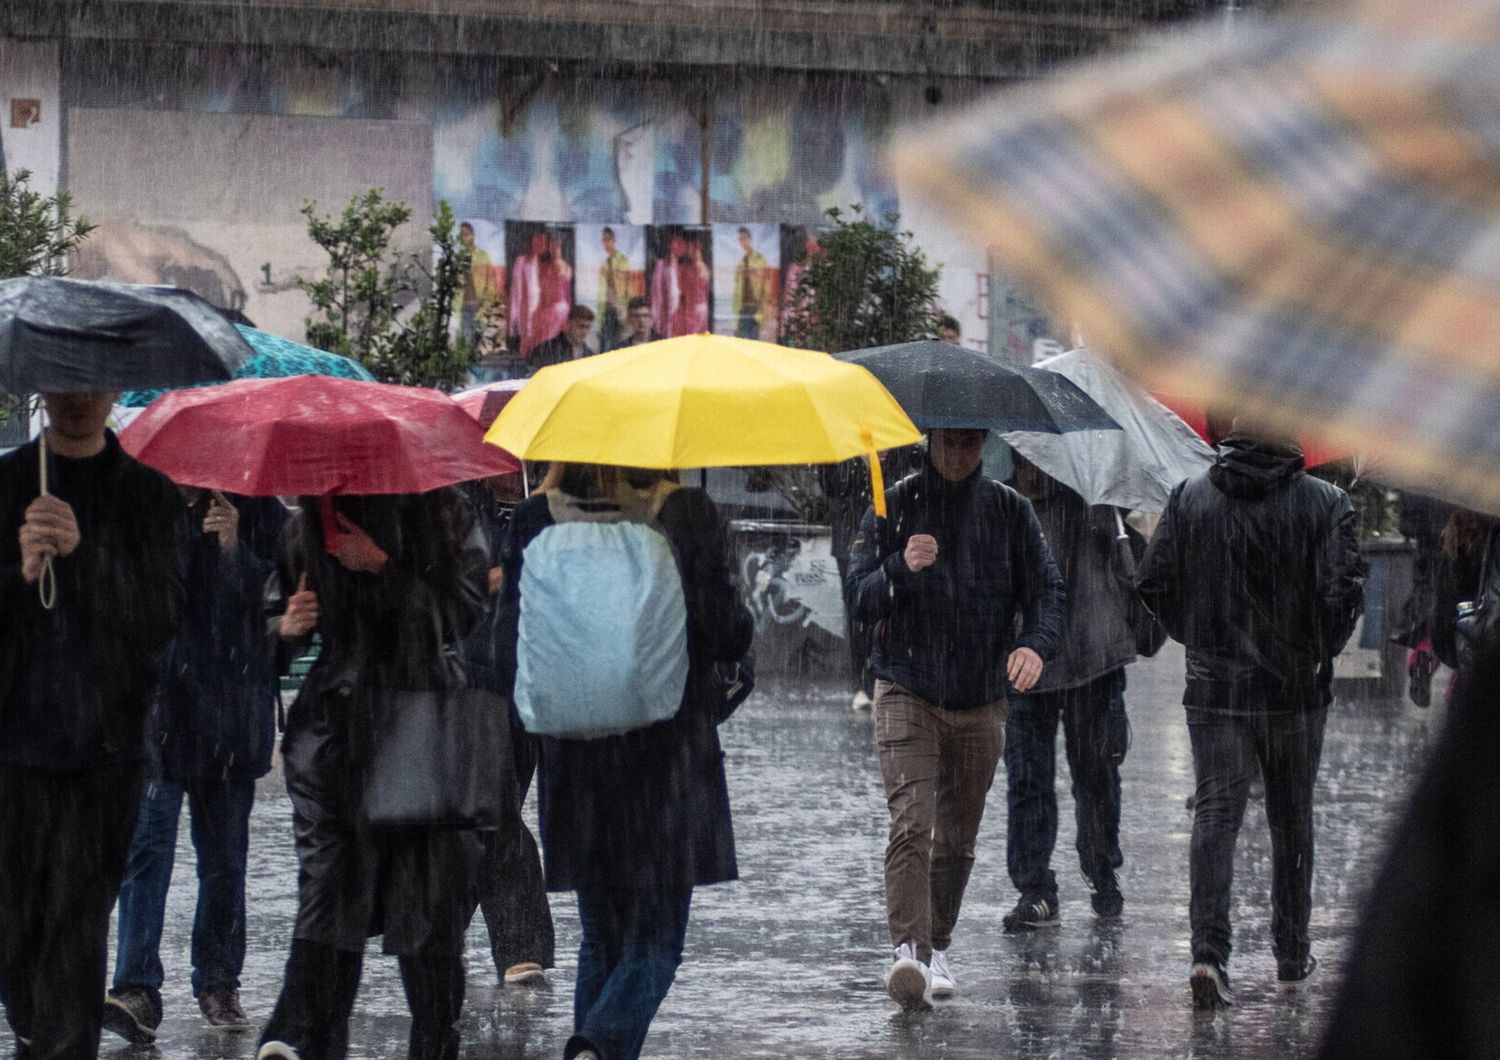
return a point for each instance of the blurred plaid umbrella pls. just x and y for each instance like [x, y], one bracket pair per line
[274, 358]
[1304, 219]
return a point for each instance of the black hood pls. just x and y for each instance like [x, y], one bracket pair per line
[1248, 468]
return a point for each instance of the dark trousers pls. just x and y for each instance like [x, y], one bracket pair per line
[63, 841]
[317, 996]
[1096, 736]
[219, 810]
[512, 889]
[632, 945]
[1227, 748]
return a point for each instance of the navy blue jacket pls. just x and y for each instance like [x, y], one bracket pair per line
[945, 633]
[215, 709]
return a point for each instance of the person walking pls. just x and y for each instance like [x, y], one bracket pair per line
[76, 680]
[1084, 689]
[944, 575]
[1255, 568]
[213, 728]
[632, 822]
[511, 889]
[391, 584]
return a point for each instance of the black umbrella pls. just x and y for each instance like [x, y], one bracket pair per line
[61, 336]
[942, 385]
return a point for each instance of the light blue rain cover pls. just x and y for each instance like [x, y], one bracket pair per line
[603, 632]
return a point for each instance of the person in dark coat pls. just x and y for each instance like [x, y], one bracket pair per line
[1417, 980]
[391, 585]
[958, 558]
[1083, 687]
[634, 822]
[1255, 568]
[512, 892]
[76, 681]
[213, 730]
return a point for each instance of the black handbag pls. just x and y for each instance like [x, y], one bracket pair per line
[1477, 627]
[438, 759]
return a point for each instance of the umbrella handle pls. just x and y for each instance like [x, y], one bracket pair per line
[1120, 534]
[46, 585]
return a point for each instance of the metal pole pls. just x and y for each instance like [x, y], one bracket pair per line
[705, 161]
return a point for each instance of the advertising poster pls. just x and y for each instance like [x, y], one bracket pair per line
[681, 279]
[747, 280]
[539, 272]
[611, 271]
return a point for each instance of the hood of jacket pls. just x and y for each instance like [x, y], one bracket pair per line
[1249, 468]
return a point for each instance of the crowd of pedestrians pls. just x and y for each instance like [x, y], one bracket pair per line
[993, 613]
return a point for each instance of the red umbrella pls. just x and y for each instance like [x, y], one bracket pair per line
[313, 434]
[485, 401]
[1196, 416]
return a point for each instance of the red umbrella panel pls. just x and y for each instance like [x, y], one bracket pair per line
[313, 435]
[1195, 415]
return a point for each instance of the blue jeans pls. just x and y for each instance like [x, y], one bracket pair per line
[1096, 736]
[632, 945]
[220, 812]
[1228, 749]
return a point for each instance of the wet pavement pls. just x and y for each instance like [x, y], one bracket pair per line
[787, 962]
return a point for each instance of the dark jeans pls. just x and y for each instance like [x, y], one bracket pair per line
[317, 995]
[1226, 751]
[632, 945]
[512, 889]
[1096, 736]
[220, 821]
[63, 840]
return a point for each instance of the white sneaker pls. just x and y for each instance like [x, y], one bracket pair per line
[943, 983]
[909, 981]
[862, 701]
[277, 1051]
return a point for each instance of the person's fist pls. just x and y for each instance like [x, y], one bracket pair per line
[921, 552]
[36, 549]
[301, 613]
[54, 522]
[1024, 669]
[357, 551]
[223, 518]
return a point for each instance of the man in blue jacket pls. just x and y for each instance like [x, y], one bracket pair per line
[943, 578]
[213, 728]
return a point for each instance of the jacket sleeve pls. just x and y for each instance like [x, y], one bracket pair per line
[1341, 580]
[719, 627]
[878, 573]
[1044, 598]
[1158, 577]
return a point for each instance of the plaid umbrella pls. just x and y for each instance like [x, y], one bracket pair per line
[1302, 217]
[275, 358]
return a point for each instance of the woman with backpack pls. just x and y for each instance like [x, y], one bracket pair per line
[615, 565]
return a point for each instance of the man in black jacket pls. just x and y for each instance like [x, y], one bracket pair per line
[944, 575]
[1255, 568]
[76, 681]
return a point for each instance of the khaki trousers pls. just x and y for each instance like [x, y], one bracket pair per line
[938, 766]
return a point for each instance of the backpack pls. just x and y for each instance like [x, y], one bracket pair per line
[602, 638]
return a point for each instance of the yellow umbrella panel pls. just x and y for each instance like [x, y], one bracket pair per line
[703, 401]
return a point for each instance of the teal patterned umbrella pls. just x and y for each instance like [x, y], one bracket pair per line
[275, 358]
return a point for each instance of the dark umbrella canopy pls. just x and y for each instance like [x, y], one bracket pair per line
[61, 336]
[943, 385]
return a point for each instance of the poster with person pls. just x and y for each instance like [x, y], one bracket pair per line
[747, 280]
[798, 243]
[680, 280]
[539, 269]
[481, 300]
[611, 271]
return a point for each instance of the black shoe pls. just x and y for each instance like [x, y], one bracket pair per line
[133, 1014]
[1210, 983]
[1419, 678]
[1108, 904]
[1292, 977]
[1031, 913]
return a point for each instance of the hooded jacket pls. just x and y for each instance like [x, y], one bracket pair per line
[1255, 568]
[946, 632]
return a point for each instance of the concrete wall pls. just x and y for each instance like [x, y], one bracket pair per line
[29, 71]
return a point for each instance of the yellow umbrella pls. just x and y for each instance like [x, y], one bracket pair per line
[704, 401]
